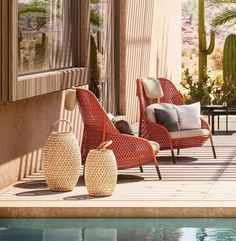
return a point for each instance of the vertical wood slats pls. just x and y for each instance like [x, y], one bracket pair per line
[139, 23]
[84, 27]
[4, 49]
[8, 49]
[0, 50]
[120, 53]
[13, 49]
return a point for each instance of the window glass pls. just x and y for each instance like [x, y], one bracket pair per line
[44, 35]
[98, 42]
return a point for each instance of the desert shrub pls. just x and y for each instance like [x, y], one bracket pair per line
[184, 53]
[194, 91]
[217, 59]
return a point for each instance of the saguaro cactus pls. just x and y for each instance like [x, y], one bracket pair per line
[203, 50]
[229, 71]
[94, 72]
[229, 59]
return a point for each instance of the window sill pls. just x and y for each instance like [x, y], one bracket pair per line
[47, 82]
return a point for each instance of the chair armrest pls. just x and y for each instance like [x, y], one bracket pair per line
[130, 149]
[155, 132]
[204, 124]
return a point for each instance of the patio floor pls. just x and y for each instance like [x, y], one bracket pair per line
[197, 186]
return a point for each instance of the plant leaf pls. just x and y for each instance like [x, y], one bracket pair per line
[224, 17]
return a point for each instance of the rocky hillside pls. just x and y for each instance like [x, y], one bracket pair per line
[190, 37]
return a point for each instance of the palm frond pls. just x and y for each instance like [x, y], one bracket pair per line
[213, 3]
[224, 17]
[222, 1]
[95, 19]
[95, 1]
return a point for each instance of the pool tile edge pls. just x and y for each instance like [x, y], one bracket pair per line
[119, 212]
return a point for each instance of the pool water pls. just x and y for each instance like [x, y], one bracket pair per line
[111, 229]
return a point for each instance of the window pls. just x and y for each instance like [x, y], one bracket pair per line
[44, 35]
[107, 56]
[44, 46]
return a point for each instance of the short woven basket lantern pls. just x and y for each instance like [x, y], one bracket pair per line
[101, 171]
[61, 160]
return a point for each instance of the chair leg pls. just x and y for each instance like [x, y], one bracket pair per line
[178, 152]
[141, 169]
[158, 172]
[213, 148]
[214, 152]
[173, 156]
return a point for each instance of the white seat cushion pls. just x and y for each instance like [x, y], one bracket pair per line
[150, 112]
[155, 146]
[152, 88]
[189, 133]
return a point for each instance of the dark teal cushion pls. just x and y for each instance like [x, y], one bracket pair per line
[168, 118]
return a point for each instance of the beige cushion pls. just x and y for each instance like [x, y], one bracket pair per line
[70, 100]
[152, 88]
[155, 146]
[189, 133]
[150, 112]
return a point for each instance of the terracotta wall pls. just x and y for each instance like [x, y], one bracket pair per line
[24, 127]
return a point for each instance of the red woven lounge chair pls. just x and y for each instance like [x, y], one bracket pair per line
[130, 151]
[158, 133]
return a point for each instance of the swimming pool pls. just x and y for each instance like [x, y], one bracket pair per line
[117, 229]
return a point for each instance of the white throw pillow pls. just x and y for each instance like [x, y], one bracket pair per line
[189, 116]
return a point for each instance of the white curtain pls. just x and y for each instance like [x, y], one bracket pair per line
[108, 94]
[59, 34]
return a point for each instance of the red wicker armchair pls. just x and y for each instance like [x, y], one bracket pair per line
[130, 151]
[158, 133]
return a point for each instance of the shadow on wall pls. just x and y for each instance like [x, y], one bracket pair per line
[162, 61]
[169, 40]
[139, 25]
[25, 126]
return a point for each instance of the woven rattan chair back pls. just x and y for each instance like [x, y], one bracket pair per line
[95, 121]
[130, 151]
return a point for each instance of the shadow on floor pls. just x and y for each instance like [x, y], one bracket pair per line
[44, 192]
[36, 184]
[179, 159]
[80, 198]
[223, 133]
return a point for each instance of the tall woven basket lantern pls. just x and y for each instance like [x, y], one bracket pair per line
[101, 171]
[61, 159]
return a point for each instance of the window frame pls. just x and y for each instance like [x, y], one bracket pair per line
[14, 87]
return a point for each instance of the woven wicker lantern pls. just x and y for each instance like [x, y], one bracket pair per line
[61, 160]
[101, 171]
